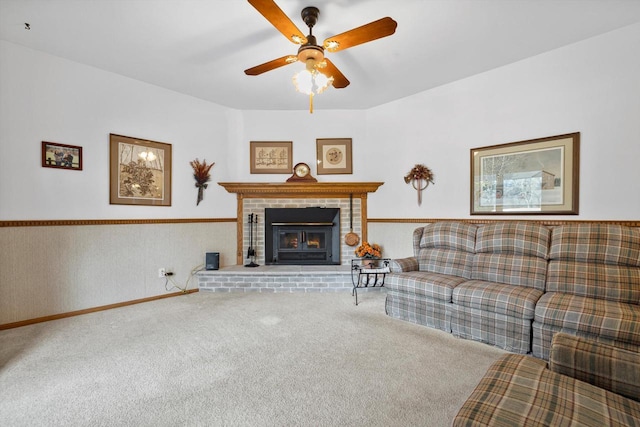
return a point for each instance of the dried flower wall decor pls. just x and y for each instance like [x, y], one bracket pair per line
[201, 175]
[420, 177]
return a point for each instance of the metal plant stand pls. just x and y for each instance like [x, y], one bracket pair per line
[366, 272]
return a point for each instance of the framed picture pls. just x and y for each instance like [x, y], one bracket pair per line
[62, 156]
[334, 156]
[140, 172]
[271, 156]
[539, 176]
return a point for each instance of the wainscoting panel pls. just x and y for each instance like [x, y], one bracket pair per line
[47, 270]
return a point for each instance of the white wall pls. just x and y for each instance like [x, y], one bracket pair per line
[303, 129]
[45, 98]
[591, 87]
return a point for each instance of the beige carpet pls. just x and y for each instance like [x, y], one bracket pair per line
[237, 360]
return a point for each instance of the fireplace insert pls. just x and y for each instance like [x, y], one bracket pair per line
[302, 236]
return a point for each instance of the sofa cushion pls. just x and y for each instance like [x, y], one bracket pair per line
[519, 238]
[514, 270]
[611, 282]
[446, 261]
[596, 243]
[610, 319]
[432, 285]
[515, 301]
[602, 365]
[448, 235]
[519, 390]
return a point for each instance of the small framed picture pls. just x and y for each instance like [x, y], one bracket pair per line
[271, 156]
[61, 156]
[334, 156]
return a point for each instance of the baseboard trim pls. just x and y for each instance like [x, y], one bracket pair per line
[91, 310]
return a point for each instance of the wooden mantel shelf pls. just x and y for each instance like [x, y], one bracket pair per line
[300, 189]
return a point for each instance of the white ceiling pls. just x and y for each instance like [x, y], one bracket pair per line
[202, 47]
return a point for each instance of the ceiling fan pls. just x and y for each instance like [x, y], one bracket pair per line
[310, 53]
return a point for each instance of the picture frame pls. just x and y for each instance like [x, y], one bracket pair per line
[334, 156]
[274, 157]
[61, 156]
[139, 171]
[533, 177]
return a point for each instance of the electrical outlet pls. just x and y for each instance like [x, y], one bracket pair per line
[162, 272]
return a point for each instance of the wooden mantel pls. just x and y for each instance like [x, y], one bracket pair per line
[302, 190]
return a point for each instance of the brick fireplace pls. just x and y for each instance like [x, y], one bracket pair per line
[254, 198]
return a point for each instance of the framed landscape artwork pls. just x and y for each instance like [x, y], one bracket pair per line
[61, 156]
[271, 156]
[538, 176]
[334, 156]
[140, 171]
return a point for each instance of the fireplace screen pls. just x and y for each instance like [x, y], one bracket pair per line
[297, 240]
[302, 244]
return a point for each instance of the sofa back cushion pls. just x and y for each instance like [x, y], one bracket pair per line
[514, 253]
[595, 260]
[445, 248]
[603, 365]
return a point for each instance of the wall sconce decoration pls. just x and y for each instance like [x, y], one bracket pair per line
[201, 175]
[420, 177]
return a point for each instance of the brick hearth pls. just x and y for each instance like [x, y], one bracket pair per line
[279, 278]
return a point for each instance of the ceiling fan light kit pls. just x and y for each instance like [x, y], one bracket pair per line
[319, 71]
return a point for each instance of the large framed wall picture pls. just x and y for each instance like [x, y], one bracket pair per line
[140, 171]
[537, 176]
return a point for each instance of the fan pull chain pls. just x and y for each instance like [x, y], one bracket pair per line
[311, 103]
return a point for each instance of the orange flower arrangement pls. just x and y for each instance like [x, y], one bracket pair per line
[366, 250]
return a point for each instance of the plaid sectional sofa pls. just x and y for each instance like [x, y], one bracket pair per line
[515, 284]
[593, 287]
[586, 383]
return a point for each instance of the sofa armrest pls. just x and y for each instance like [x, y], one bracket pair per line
[404, 264]
[603, 365]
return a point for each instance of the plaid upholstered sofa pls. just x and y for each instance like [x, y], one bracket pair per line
[420, 288]
[478, 282]
[586, 383]
[514, 284]
[593, 286]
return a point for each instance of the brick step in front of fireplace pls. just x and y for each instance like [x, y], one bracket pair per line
[280, 278]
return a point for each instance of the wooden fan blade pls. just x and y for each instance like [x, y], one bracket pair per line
[339, 80]
[270, 10]
[271, 65]
[373, 30]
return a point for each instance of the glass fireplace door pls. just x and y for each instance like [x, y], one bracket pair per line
[302, 245]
